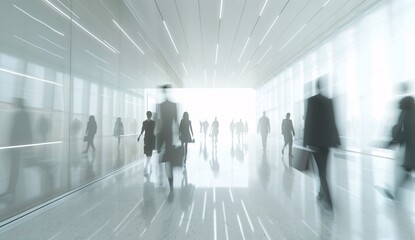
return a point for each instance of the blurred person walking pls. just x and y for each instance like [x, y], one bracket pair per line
[320, 134]
[264, 128]
[167, 112]
[149, 141]
[403, 134]
[185, 133]
[214, 130]
[91, 130]
[20, 134]
[118, 130]
[287, 130]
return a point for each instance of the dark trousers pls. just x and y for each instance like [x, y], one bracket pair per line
[321, 157]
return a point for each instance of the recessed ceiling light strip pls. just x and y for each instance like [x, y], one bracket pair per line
[129, 38]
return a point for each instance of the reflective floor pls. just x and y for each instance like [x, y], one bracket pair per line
[226, 192]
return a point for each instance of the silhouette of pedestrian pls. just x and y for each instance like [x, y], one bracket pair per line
[91, 130]
[232, 128]
[404, 135]
[118, 130]
[167, 112]
[320, 133]
[287, 130]
[185, 133]
[149, 141]
[264, 128]
[214, 130]
[205, 126]
[20, 134]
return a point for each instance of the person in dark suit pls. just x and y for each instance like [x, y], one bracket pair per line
[167, 112]
[287, 130]
[264, 128]
[91, 130]
[149, 140]
[185, 133]
[320, 133]
[404, 135]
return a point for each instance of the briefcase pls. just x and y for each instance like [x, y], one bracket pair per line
[301, 158]
[174, 155]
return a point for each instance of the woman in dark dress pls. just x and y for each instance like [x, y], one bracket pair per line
[91, 130]
[149, 140]
[185, 129]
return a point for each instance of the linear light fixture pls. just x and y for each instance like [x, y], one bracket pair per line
[216, 56]
[28, 76]
[243, 50]
[243, 70]
[185, 68]
[293, 36]
[36, 46]
[324, 5]
[264, 54]
[92, 35]
[108, 71]
[68, 9]
[171, 38]
[46, 39]
[263, 7]
[110, 46]
[269, 29]
[95, 56]
[79, 25]
[221, 7]
[129, 38]
[57, 9]
[39, 21]
[30, 145]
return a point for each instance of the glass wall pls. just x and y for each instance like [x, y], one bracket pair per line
[365, 62]
[62, 61]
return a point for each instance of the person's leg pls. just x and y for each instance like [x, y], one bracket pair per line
[285, 144]
[169, 173]
[185, 152]
[321, 161]
[92, 144]
[87, 146]
[119, 138]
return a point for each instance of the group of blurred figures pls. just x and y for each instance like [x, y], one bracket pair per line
[321, 134]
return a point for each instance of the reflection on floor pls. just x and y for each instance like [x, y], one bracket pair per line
[226, 192]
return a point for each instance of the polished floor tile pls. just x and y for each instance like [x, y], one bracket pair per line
[231, 192]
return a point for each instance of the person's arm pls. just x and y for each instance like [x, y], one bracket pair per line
[142, 130]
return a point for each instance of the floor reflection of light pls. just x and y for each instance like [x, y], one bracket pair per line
[247, 216]
[204, 206]
[230, 193]
[224, 220]
[263, 228]
[240, 227]
[190, 217]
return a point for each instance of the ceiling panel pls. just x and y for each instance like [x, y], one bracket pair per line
[194, 26]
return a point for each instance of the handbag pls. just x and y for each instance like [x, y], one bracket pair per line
[174, 155]
[301, 159]
[85, 138]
